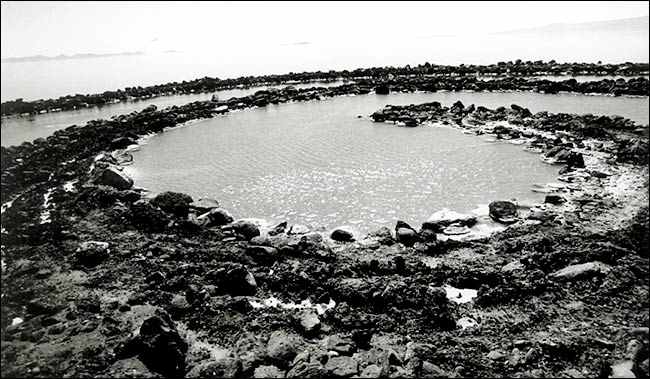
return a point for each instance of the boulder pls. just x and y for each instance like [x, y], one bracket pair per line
[405, 234]
[160, 347]
[309, 321]
[262, 254]
[220, 216]
[221, 368]
[175, 203]
[92, 253]
[307, 370]
[313, 244]
[150, 108]
[298, 229]
[382, 89]
[128, 368]
[441, 219]
[503, 211]
[343, 234]
[342, 367]
[115, 178]
[282, 347]
[245, 228]
[204, 205]
[122, 143]
[341, 345]
[554, 199]
[581, 271]
[268, 372]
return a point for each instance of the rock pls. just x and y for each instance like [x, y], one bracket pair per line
[204, 205]
[382, 89]
[343, 234]
[160, 347]
[122, 143]
[441, 219]
[43, 273]
[429, 370]
[503, 211]
[268, 372]
[246, 228]
[454, 230]
[37, 307]
[307, 370]
[263, 254]
[175, 203]
[343, 367]
[583, 270]
[383, 236]
[150, 108]
[554, 199]
[260, 241]
[179, 306]
[238, 282]
[220, 368]
[282, 347]
[513, 266]
[220, 216]
[115, 178]
[371, 371]
[313, 244]
[298, 229]
[309, 321]
[92, 253]
[128, 368]
[408, 237]
[278, 229]
[341, 345]
[495, 355]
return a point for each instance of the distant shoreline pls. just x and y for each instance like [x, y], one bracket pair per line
[42, 58]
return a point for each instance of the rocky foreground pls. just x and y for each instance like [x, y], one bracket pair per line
[100, 281]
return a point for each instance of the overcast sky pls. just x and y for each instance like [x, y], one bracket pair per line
[52, 28]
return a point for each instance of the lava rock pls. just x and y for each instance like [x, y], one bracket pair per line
[282, 347]
[583, 270]
[220, 216]
[503, 211]
[92, 253]
[343, 234]
[115, 178]
[444, 218]
[221, 368]
[160, 347]
[175, 203]
[342, 367]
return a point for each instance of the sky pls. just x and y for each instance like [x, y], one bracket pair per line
[53, 28]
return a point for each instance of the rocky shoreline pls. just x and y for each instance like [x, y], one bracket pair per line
[108, 282]
[518, 76]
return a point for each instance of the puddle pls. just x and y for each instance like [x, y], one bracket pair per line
[460, 296]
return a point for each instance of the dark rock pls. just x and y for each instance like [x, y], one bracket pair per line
[382, 89]
[150, 108]
[383, 236]
[247, 229]
[262, 254]
[282, 347]
[343, 234]
[503, 211]
[160, 347]
[115, 178]
[122, 143]
[405, 234]
[314, 244]
[175, 203]
[92, 253]
[220, 216]
[442, 219]
[554, 199]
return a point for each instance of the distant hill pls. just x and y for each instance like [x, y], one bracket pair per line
[636, 24]
[40, 58]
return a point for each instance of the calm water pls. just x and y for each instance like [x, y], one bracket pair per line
[16, 130]
[316, 162]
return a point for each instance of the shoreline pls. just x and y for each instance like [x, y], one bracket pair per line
[431, 73]
[109, 261]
